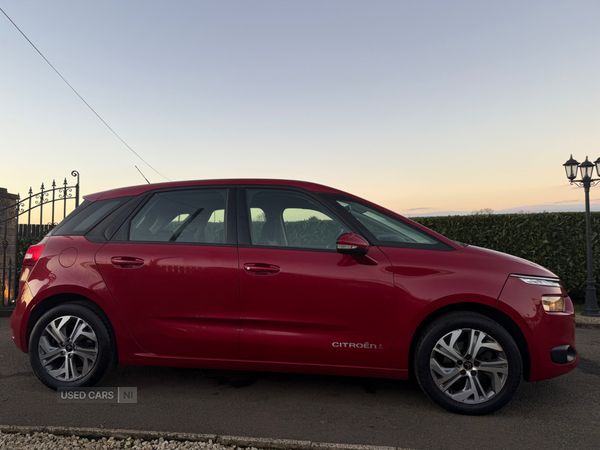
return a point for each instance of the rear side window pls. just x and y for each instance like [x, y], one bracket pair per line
[194, 216]
[88, 214]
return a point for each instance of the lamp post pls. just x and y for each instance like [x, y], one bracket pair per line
[586, 170]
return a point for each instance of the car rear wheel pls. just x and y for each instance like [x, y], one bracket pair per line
[71, 346]
[468, 364]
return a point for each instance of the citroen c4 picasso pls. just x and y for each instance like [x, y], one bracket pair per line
[289, 276]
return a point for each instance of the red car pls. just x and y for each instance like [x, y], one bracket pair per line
[288, 276]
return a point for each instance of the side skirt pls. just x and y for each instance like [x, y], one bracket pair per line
[150, 359]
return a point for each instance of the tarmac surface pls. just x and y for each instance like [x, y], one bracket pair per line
[558, 413]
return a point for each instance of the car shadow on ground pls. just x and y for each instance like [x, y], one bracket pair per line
[151, 377]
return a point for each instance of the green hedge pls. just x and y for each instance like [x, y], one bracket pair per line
[553, 240]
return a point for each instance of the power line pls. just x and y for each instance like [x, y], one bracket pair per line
[82, 99]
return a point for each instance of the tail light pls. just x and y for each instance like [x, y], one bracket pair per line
[32, 255]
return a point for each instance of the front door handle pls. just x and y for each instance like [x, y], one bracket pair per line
[261, 269]
[127, 261]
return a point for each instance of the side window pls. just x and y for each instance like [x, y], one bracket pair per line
[386, 228]
[81, 220]
[214, 232]
[189, 216]
[284, 218]
[257, 222]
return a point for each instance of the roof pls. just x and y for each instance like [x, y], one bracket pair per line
[140, 189]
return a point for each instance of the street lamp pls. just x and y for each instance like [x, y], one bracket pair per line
[586, 171]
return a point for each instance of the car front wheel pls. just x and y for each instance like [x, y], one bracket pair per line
[70, 347]
[468, 364]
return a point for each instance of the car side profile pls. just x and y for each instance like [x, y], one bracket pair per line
[290, 276]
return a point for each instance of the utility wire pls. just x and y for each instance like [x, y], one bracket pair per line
[82, 99]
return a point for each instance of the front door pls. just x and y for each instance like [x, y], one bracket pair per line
[303, 302]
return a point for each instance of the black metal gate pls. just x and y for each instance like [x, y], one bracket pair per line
[37, 221]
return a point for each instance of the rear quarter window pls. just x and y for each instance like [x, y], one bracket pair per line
[84, 217]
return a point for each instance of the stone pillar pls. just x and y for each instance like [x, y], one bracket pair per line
[8, 248]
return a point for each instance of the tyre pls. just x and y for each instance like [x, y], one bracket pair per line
[71, 346]
[468, 364]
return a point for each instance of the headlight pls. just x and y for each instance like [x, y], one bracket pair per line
[553, 304]
[549, 282]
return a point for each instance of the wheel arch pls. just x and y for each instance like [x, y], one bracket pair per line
[492, 313]
[59, 299]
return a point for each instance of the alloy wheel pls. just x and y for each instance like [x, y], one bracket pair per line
[469, 366]
[68, 348]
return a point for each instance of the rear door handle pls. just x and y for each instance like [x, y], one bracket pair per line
[127, 261]
[261, 269]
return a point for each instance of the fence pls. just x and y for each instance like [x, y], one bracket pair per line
[37, 221]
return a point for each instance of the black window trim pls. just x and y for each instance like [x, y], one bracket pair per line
[244, 236]
[331, 200]
[126, 212]
[108, 225]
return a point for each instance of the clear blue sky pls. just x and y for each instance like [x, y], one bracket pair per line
[420, 106]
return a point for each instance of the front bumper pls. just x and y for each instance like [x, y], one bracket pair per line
[563, 354]
[550, 337]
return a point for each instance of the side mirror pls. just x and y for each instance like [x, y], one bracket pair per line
[352, 244]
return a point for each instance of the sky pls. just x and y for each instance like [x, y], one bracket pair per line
[425, 107]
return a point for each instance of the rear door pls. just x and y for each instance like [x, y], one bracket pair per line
[301, 301]
[174, 274]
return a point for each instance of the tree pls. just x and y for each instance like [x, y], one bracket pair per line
[483, 212]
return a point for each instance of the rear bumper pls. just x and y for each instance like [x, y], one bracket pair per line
[18, 322]
[550, 337]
